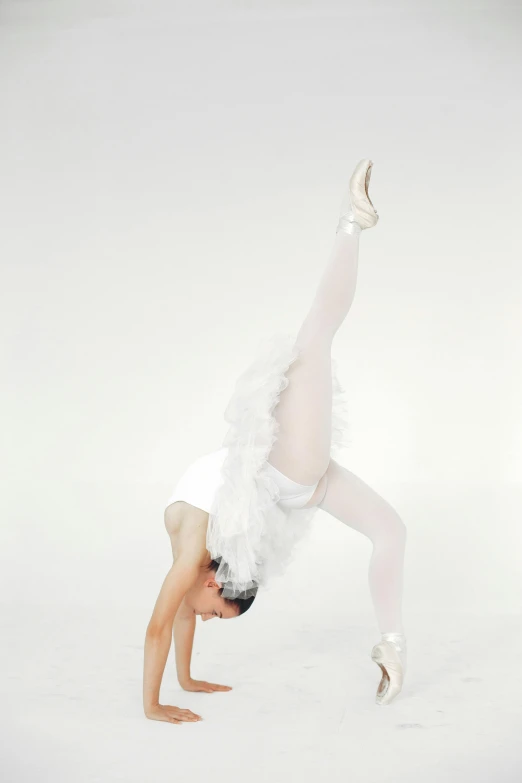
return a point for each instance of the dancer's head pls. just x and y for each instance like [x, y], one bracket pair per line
[206, 599]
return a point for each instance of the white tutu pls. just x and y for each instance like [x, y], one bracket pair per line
[248, 532]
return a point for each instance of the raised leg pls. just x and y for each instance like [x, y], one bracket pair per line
[353, 502]
[304, 410]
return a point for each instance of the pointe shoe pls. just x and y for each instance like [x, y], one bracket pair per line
[392, 661]
[357, 211]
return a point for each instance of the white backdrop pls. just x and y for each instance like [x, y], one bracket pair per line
[171, 186]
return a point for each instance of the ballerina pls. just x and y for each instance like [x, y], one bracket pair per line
[236, 513]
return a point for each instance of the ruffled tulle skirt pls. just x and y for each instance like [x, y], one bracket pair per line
[249, 534]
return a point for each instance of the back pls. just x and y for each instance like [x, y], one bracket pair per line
[200, 481]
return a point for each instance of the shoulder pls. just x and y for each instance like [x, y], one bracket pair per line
[179, 513]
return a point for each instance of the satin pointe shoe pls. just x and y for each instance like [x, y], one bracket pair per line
[357, 211]
[390, 656]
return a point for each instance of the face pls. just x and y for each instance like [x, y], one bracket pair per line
[205, 601]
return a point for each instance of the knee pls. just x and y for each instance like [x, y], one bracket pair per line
[392, 531]
[401, 530]
[396, 524]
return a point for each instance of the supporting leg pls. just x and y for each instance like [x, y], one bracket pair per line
[357, 505]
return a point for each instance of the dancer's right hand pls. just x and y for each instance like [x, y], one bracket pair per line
[172, 714]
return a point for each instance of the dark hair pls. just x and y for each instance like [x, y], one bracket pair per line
[243, 604]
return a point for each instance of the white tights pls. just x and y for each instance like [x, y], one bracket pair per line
[302, 448]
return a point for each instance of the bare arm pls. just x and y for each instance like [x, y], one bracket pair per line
[184, 628]
[179, 579]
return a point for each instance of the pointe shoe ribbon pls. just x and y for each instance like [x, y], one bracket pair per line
[357, 210]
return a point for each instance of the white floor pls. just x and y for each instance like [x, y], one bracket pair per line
[302, 703]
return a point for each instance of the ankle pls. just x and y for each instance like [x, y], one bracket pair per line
[348, 225]
[398, 639]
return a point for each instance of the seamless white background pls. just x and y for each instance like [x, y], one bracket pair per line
[171, 178]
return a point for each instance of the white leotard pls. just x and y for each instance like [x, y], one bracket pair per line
[200, 482]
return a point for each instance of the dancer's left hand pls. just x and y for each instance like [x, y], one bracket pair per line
[202, 685]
